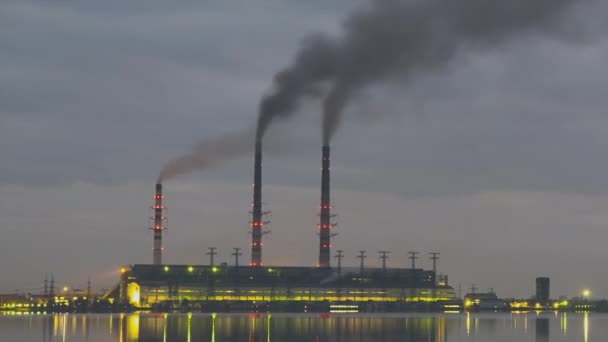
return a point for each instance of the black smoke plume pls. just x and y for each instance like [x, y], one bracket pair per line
[384, 39]
[208, 153]
[398, 39]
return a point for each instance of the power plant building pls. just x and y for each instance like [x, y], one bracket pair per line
[145, 286]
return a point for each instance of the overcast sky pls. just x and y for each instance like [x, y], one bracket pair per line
[498, 162]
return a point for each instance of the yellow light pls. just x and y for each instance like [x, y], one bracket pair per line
[166, 268]
[133, 327]
[213, 315]
[133, 293]
[586, 327]
[215, 269]
[586, 293]
[270, 270]
[65, 289]
[123, 270]
[190, 269]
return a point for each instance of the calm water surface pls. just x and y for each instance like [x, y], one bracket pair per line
[310, 328]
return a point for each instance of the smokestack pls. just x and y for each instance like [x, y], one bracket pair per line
[256, 222]
[325, 224]
[158, 225]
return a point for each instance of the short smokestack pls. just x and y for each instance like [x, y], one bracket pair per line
[257, 222]
[325, 224]
[158, 225]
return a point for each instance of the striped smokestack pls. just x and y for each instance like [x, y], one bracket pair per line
[158, 225]
[257, 222]
[325, 216]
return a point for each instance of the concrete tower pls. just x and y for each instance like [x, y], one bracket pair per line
[325, 223]
[158, 225]
[257, 223]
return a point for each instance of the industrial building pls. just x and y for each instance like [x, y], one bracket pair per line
[289, 288]
[543, 286]
[484, 301]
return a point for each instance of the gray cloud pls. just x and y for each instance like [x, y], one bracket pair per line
[118, 82]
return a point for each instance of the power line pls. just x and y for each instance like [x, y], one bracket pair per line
[413, 257]
[339, 256]
[362, 256]
[384, 257]
[236, 254]
[211, 254]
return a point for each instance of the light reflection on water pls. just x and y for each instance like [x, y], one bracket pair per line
[547, 327]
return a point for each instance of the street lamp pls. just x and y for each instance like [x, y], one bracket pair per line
[586, 293]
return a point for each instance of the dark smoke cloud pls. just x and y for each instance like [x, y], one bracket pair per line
[209, 153]
[333, 106]
[313, 64]
[385, 39]
[398, 39]
[212, 152]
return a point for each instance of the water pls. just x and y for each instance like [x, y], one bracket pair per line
[556, 327]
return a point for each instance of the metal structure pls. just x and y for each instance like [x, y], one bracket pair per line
[473, 288]
[52, 287]
[212, 253]
[89, 293]
[325, 224]
[158, 225]
[434, 257]
[413, 256]
[339, 256]
[46, 286]
[384, 257]
[237, 253]
[362, 257]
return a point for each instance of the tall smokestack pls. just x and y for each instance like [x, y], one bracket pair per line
[325, 224]
[257, 222]
[158, 225]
